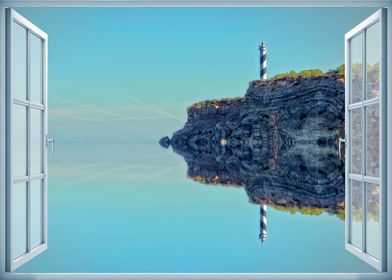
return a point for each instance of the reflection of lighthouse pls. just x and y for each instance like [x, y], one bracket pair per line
[263, 207]
[263, 223]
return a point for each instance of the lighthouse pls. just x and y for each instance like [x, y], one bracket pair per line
[263, 61]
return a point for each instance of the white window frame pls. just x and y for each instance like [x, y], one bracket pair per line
[377, 17]
[12, 264]
[191, 3]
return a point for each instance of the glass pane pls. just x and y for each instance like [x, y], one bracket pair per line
[373, 55]
[19, 140]
[373, 140]
[356, 213]
[356, 68]
[35, 213]
[19, 62]
[373, 237]
[19, 221]
[36, 141]
[356, 141]
[36, 69]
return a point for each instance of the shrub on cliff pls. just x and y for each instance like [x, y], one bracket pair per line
[309, 73]
[291, 74]
[303, 73]
[339, 70]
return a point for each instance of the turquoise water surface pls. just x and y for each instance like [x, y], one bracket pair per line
[130, 208]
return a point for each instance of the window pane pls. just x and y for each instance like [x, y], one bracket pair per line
[19, 63]
[373, 236]
[36, 69]
[356, 213]
[35, 213]
[372, 140]
[19, 222]
[356, 141]
[36, 141]
[19, 140]
[373, 54]
[356, 68]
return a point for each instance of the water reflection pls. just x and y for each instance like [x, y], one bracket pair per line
[302, 177]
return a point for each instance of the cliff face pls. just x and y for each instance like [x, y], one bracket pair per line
[279, 142]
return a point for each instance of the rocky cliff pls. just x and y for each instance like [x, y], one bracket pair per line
[279, 142]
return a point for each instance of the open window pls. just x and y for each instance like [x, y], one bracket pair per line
[366, 140]
[26, 141]
[27, 147]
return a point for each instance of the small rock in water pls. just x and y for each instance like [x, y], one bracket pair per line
[165, 142]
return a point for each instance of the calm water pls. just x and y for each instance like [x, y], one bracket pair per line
[129, 207]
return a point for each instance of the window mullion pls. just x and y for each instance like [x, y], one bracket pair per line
[364, 131]
[28, 239]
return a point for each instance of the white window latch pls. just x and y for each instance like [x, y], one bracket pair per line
[53, 145]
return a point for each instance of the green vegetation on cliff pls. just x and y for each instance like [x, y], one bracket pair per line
[309, 73]
[304, 73]
[339, 70]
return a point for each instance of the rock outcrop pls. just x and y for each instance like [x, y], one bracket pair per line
[279, 142]
[165, 142]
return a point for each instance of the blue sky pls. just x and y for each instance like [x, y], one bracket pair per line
[143, 66]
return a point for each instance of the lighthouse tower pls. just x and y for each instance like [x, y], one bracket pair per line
[263, 61]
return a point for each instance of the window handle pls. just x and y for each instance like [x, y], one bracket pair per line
[342, 142]
[53, 145]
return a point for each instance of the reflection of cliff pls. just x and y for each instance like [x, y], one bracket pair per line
[308, 176]
[278, 142]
